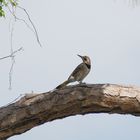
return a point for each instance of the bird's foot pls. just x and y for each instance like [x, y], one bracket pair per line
[82, 83]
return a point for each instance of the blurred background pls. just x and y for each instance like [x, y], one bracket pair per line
[107, 31]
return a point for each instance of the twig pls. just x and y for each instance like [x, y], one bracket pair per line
[20, 19]
[9, 56]
[12, 56]
[11, 72]
[17, 18]
[12, 10]
[35, 30]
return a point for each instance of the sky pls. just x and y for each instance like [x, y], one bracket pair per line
[107, 31]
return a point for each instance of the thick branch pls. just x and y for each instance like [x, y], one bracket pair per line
[35, 109]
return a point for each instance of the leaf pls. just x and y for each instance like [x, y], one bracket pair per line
[2, 13]
[5, 3]
[13, 3]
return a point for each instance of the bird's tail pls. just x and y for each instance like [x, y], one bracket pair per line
[63, 84]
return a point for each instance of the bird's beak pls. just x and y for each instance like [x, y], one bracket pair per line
[80, 56]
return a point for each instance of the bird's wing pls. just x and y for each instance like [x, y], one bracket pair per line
[77, 71]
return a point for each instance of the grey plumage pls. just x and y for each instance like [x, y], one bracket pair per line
[80, 72]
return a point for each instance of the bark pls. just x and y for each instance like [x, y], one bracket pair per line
[35, 109]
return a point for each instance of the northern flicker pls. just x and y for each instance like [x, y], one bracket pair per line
[80, 72]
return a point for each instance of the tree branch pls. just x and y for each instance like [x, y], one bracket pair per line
[35, 109]
[12, 54]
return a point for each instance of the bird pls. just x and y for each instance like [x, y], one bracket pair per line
[79, 73]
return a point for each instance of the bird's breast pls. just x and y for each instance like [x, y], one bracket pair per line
[82, 73]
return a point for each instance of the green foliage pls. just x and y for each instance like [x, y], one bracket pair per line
[5, 3]
[13, 3]
[2, 13]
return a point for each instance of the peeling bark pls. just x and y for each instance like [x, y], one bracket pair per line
[35, 109]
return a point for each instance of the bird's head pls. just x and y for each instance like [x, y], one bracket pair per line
[85, 59]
